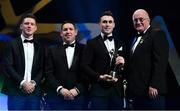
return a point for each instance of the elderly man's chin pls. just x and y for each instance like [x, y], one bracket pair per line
[140, 29]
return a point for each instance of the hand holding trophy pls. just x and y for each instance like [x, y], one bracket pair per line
[116, 61]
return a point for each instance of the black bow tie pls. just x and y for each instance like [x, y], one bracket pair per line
[139, 34]
[68, 45]
[30, 41]
[110, 38]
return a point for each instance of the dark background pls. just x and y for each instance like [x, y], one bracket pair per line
[88, 11]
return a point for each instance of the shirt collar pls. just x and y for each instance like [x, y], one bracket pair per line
[23, 38]
[70, 43]
[102, 35]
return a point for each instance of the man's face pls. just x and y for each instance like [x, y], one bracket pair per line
[68, 33]
[107, 24]
[28, 27]
[141, 21]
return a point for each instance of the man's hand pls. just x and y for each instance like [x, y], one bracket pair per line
[105, 77]
[28, 87]
[120, 60]
[74, 92]
[108, 78]
[153, 92]
[66, 94]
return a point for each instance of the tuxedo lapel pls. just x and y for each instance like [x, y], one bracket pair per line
[76, 54]
[142, 41]
[118, 45]
[101, 42]
[143, 38]
[36, 54]
[20, 50]
[62, 52]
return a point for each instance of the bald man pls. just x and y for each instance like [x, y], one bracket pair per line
[147, 64]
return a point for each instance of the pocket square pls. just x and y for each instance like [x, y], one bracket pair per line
[120, 49]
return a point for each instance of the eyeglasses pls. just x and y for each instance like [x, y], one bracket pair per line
[139, 19]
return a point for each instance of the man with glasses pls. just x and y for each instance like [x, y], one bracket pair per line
[147, 64]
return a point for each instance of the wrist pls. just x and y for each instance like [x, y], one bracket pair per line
[33, 82]
[77, 90]
[21, 84]
[59, 89]
[100, 77]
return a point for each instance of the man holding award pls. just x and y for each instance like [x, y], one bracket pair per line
[103, 63]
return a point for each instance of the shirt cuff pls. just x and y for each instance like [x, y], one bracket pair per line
[77, 90]
[33, 82]
[21, 83]
[59, 88]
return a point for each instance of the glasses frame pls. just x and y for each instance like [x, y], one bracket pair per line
[139, 19]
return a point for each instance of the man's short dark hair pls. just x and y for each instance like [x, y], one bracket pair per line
[28, 15]
[68, 21]
[106, 13]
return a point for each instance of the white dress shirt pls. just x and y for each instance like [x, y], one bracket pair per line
[70, 54]
[28, 56]
[109, 44]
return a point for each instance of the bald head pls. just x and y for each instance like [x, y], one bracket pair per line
[142, 12]
[141, 20]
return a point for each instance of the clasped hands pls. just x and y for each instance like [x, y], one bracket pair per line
[28, 87]
[68, 94]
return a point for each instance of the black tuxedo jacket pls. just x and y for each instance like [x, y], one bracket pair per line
[147, 65]
[96, 62]
[57, 71]
[14, 66]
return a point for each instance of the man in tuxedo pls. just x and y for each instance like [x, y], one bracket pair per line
[23, 67]
[102, 55]
[147, 64]
[64, 81]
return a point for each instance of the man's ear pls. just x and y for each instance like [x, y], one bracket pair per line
[20, 26]
[76, 32]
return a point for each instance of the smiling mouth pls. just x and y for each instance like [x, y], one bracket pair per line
[28, 30]
[68, 35]
[107, 29]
